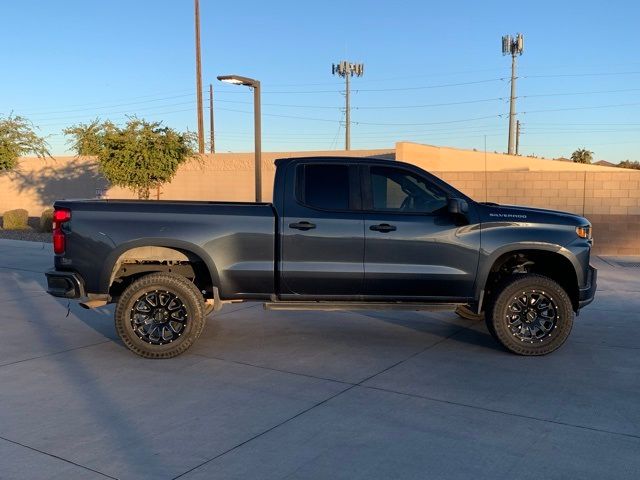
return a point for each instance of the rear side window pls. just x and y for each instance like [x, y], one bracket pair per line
[324, 186]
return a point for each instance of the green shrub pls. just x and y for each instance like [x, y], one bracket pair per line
[15, 219]
[46, 220]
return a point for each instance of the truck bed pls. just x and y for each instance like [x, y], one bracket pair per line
[236, 240]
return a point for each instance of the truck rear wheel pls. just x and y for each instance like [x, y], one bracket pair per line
[530, 315]
[160, 315]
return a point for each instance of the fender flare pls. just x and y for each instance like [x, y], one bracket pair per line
[486, 263]
[114, 255]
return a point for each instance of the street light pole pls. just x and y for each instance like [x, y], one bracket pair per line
[257, 139]
[257, 125]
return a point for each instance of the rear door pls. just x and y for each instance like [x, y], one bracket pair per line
[322, 232]
[413, 246]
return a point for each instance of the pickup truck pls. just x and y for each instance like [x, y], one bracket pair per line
[341, 233]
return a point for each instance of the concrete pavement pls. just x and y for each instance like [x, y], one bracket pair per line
[272, 395]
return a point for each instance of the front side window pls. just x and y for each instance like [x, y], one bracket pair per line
[326, 186]
[398, 190]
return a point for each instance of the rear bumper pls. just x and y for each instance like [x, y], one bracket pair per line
[64, 284]
[588, 293]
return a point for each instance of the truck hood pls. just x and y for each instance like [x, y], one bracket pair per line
[493, 212]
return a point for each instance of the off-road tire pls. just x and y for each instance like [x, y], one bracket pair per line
[185, 291]
[500, 309]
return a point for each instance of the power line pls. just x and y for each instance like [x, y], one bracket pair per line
[592, 92]
[47, 112]
[123, 112]
[97, 106]
[599, 74]
[423, 87]
[324, 107]
[583, 108]
[608, 124]
[432, 123]
[466, 102]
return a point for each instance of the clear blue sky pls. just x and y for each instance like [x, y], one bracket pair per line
[69, 61]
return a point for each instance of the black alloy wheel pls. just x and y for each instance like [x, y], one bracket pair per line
[160, 315]
[530, 314]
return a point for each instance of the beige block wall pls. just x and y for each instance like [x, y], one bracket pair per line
[610, 200]
[608, 197]
[37, 183]
[448, 159]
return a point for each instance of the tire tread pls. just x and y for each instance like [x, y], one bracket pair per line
[499, 303]
[169, 280]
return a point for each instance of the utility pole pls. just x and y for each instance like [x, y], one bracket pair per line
[199, 80]
[513, 46]
[346, 69]
[212, 146]
[518, 137]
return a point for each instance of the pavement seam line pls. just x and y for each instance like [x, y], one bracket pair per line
[415, 354]
[9, 300]
[57, 457]
[477, 407]
[307, 410]
[272, 369]
[604, 345]
[247, 307]
[55, 353]
[270, 429]
[21, 269]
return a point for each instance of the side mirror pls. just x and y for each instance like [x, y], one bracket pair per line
[458, 206]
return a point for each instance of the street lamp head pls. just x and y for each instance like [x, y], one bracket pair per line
[238, 80]
[257, 128]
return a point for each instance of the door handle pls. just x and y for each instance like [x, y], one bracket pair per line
[383, 227]
[302, 225]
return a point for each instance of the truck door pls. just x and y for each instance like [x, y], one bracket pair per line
[413, 246]
[322, 232]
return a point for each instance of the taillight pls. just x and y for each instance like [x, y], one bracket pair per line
[60, 216]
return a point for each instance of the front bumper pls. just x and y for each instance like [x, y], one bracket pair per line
[64, 284]
[588, 293]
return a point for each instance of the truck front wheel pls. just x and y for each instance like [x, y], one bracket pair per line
[160, 315]
[530, 315]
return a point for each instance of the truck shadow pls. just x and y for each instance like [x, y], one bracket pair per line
[108, 414]
[471, 332]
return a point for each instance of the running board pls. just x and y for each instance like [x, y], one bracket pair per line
[337, 306]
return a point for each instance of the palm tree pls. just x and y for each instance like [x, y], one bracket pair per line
[582, 155]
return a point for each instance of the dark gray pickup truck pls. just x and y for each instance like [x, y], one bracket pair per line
[341, 233]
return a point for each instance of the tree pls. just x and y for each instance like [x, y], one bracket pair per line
[140, 156]
[630, 164]
[582, 155]
[18, 138]
[88, 138]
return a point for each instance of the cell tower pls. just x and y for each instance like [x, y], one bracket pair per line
[513, 46]
[347, 70]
